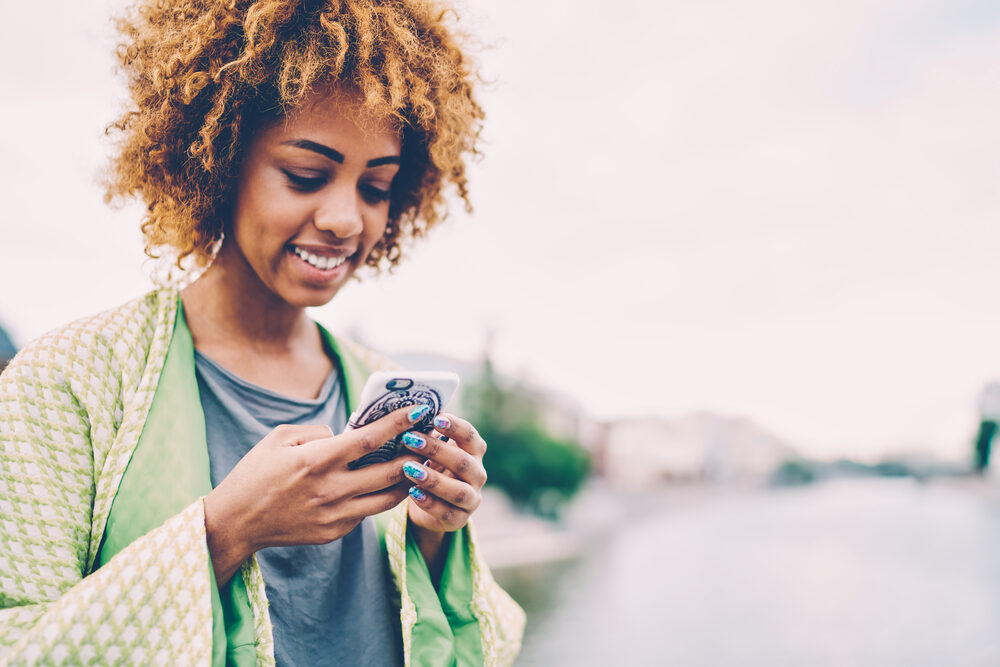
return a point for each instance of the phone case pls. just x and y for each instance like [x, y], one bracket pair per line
[386, 391]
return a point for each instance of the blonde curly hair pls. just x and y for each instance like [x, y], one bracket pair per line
[203, 74]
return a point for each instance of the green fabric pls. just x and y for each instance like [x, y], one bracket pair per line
[455, 593]
[172, 450]
[355, 372]
[446, 632]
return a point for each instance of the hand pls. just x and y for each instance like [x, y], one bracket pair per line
[294, 487]
[448, 489]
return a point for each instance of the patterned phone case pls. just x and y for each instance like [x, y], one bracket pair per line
[390, 391]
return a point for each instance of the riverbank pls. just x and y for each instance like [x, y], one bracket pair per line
[509, 538]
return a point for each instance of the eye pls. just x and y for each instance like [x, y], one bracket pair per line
[303, 182]
[373, 194]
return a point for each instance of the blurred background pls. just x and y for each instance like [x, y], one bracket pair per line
[726, 312]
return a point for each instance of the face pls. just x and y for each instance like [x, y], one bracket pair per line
[312, 199]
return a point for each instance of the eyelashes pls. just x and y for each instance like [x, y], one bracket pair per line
[375, 195]
[301, 183]
[304, 183]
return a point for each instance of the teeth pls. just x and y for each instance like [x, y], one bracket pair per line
[321, 263]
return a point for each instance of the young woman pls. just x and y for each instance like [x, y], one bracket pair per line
[174, 486]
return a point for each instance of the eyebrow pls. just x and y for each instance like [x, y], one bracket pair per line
[379, 161]
[337, 156]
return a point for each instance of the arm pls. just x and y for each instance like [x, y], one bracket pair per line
[48, 485]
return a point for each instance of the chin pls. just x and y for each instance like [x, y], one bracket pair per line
[311, 298]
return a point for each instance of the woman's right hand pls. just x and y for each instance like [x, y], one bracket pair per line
[294, 487]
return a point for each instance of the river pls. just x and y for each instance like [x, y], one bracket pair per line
[847, 572]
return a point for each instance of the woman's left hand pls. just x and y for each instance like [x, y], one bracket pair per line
[448, 488]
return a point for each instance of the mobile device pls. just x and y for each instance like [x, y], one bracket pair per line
[386, 391]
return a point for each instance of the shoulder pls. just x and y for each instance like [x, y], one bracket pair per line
[114, 341]
[373, 360]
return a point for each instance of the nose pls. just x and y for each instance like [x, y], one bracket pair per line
[339, 213]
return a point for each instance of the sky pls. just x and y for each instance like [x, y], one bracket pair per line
[777, 210]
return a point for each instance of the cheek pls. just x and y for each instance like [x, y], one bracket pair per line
[263, 212]
[374, 229]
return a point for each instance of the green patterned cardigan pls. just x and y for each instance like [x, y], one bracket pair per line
[78, 587]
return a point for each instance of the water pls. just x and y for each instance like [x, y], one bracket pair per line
[854, 573]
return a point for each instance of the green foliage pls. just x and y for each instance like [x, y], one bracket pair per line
[534, 469]
[793, 473]
[537, 470]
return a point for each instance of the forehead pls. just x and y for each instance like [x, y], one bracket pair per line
[340, 120]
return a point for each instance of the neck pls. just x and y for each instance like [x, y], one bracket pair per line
[229, 302]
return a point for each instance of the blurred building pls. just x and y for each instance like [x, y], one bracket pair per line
[698, 447]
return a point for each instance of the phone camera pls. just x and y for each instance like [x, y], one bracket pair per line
[397, 384]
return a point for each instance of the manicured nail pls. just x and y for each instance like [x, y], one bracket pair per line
[417, 494]
[414, 471]
[418, 412]
[443, 438]
[413, 441]
[441, 422]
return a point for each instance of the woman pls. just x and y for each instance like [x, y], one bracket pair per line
[172, 489]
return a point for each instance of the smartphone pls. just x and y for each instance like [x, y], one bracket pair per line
[386, 391]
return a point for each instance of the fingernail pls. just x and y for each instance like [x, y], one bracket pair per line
[413, 441]
[414, 471]
[418, 412]
[441, 422]
[417, 494]
[443, 438]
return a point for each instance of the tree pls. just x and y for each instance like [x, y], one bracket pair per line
[537, 470]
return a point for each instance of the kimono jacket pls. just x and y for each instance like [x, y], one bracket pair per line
[103, 557]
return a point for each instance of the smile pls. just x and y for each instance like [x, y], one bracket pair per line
[321, 263]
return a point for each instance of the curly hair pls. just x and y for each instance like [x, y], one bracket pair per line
[203, 74]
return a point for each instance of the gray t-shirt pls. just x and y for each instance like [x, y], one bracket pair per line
[330, 604]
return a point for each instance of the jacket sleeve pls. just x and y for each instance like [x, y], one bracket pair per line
[150, 604]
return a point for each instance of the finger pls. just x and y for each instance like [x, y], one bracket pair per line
[434, 466]
[462, 432]
[454, 491]
[464, 465]
[376, 503]
[447, 515]
[354, 444]
[291, 435]
[431, 464]
[370, 479]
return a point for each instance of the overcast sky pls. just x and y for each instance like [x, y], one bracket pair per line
[781, 210]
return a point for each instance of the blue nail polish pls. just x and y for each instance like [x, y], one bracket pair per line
[417, 494]
[441, 422]
[418, 412]
[413, 441]
[413, 471]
